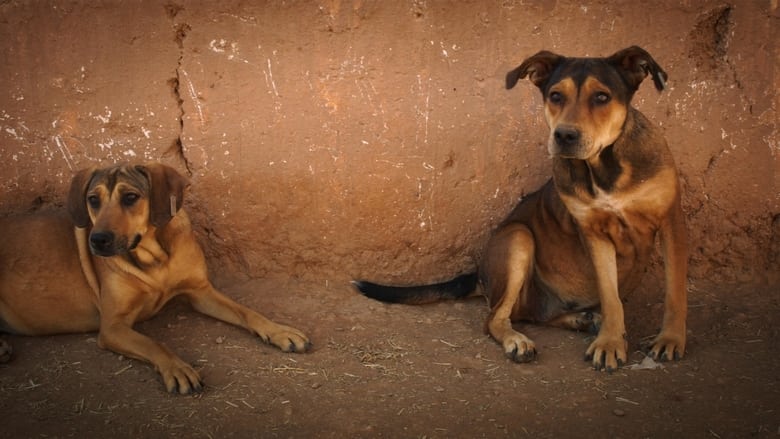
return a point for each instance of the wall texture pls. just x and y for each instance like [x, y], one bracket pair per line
[332, 139]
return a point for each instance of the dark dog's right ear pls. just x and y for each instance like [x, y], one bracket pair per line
[538, 68]
[77, 203]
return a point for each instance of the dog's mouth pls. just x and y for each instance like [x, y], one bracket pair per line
[134, 244]
[106, 244]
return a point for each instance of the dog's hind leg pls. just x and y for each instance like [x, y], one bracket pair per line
[507, 269]
[588, 321]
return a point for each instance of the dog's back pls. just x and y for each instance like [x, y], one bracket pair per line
[43, 244]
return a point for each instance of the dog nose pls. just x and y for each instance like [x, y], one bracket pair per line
[567, 137]
[101, 243]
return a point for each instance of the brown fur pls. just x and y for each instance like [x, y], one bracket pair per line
[132, 250]
[588, 232]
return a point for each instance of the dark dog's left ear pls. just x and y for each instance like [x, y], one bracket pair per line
[634, 63]
[77, 202]
[166, 192]
[538, 68]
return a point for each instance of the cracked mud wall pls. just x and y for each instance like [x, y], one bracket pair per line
[331, 139]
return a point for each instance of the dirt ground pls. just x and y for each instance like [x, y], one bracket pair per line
[381, 370]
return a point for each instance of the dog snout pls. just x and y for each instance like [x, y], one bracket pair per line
[567, 138]
[102, 243]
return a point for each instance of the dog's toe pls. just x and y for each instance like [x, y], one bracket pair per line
[298, 347]
[287, 339]
[519, 348]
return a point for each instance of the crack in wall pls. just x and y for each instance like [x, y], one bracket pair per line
[180, 34]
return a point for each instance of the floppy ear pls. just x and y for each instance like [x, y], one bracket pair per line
[77, 203]
[538, 68]
[166, 192]
[634, 63]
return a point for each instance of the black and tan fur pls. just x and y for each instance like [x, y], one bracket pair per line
[131, 251]
[572, 245]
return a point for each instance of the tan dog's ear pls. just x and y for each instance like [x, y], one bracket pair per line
[166, 192]
[634, 64]
[77, 203]
[538, 68]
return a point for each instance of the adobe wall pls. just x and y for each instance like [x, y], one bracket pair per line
[338, 139]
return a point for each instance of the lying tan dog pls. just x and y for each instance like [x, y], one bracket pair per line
[589, 231]
[132, 251]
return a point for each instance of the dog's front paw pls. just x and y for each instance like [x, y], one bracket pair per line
[607, 352]
[180, 377]
[5, 352]
[668, 346]
[519, 348]
[287, 339]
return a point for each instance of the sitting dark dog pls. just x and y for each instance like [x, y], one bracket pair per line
[589, 231]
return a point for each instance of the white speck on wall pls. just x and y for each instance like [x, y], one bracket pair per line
[106, 118]
[107, 145]
[12, 132]
[146, 132]
[218, 46]
[129, 153]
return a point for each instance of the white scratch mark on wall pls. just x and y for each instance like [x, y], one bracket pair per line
[423, 113]
[63, 147]
[194, 96]
[271, 77]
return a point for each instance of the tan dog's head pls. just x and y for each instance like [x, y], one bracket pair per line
[123, 202]
[586, 100]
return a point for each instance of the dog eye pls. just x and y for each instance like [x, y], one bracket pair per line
[93, 201]
[601, 98]
[555, 97]
[129, 198]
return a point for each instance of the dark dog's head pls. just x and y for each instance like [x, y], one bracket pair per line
[586, 100]
[122, 202]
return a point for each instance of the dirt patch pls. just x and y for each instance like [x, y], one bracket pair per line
[401, 371]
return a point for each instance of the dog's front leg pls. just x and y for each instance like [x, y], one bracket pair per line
[670, 343]
[608, 350]
[211, 302]
[120, 337]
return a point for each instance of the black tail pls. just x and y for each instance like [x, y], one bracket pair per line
[461, 286]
